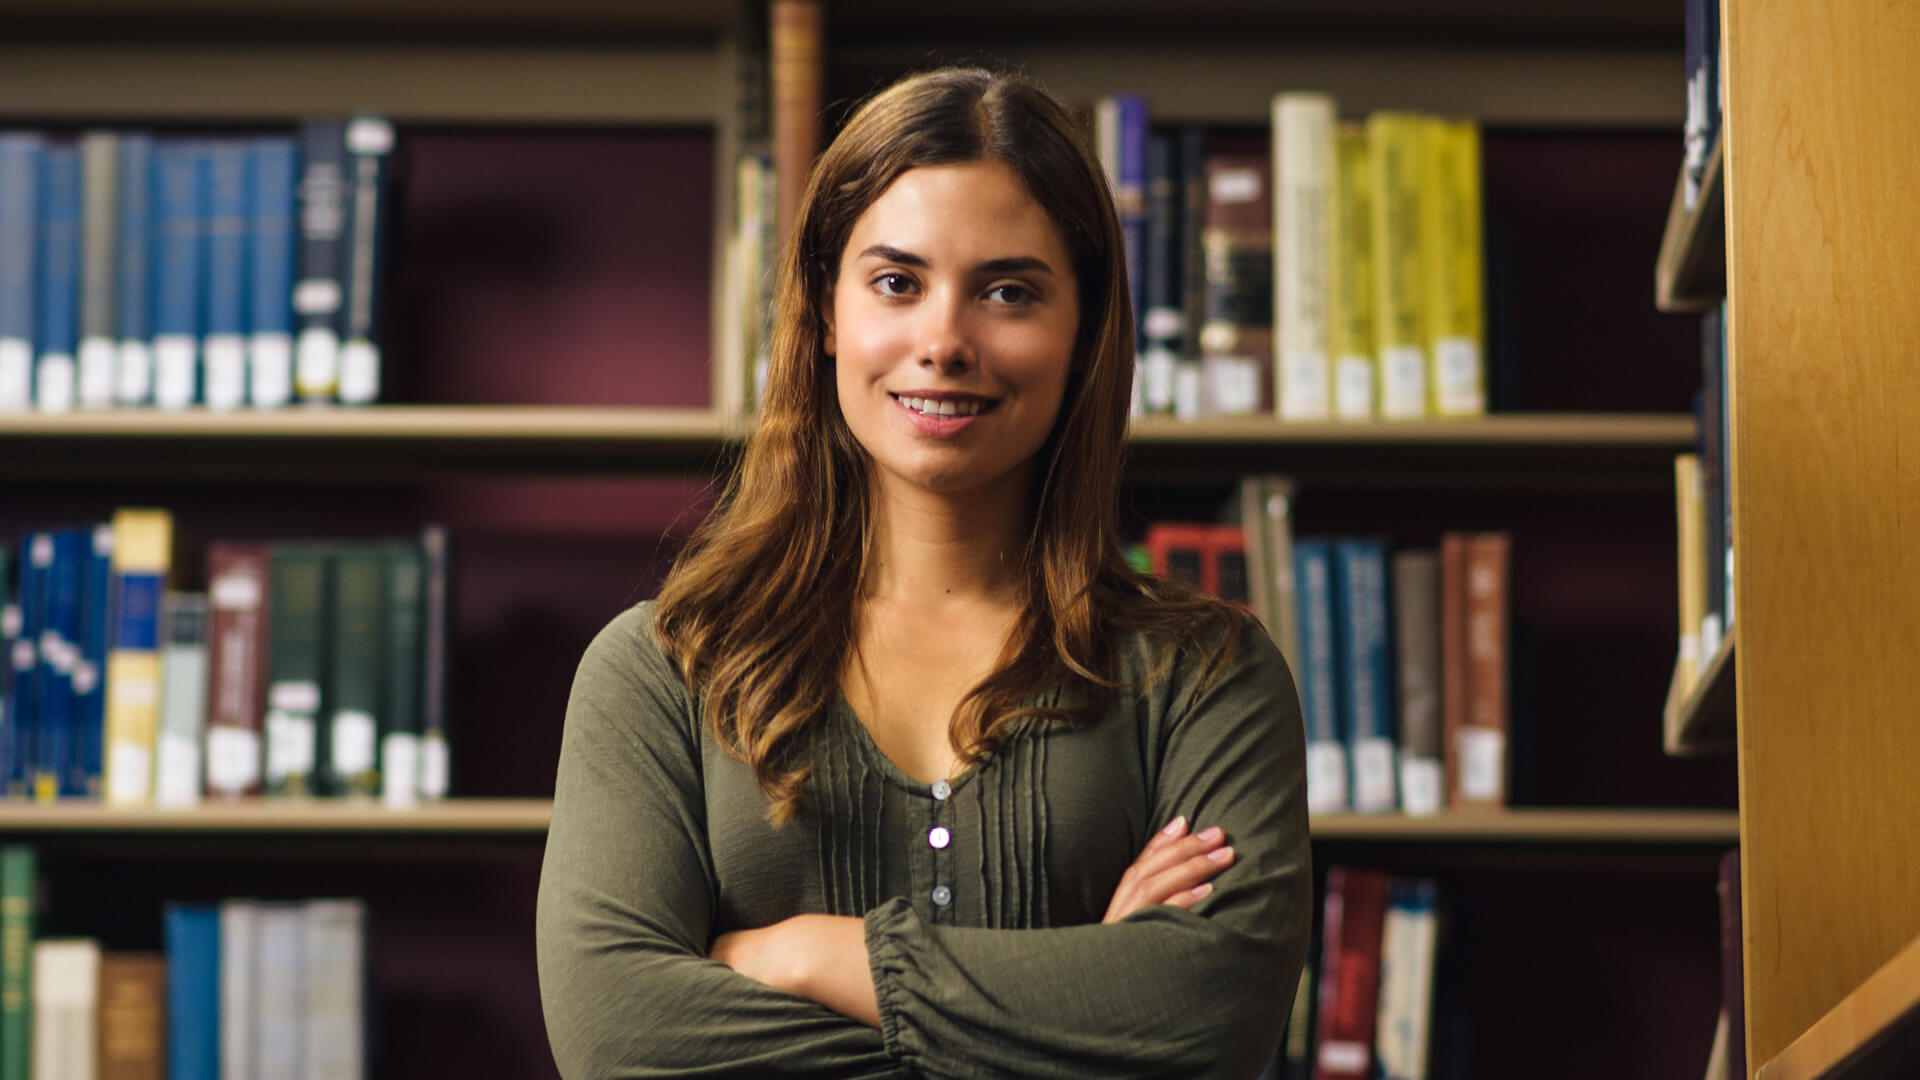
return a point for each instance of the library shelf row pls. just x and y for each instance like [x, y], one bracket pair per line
[1702, 721]
[1690, 274]
[490, 439]
[507, 818]
[1872, 1033]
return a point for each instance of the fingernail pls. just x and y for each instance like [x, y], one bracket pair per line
[1212, 835]
[1176, 826]
[1220, 854]
[1203, 890]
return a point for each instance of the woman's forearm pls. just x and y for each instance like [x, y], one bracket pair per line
[822, 958]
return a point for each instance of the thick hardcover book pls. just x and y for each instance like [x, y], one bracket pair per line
[88, 765]
[183, 702]
[99, 228]
[319, 293]
[20, 155]
[142, 560]
[435, 752]
[66, 1008]
[296, 668]
[1304, 176]
[1450, 242]
[356, 668]
[1410, 946]
[1351, 931]
[19, 868]
[405, 641]
[369, 157]
[1320, 690]
[20, 741]
[271, 236]
[133, 262]
[281, 992]
[1477, 735]
[193, 992]
[59, 651]
[133, 1016]
[223, 343]
[180, 260]
[1416, 613]
[1395, 158]
[1365, 666]
[237, 593]
[57, 322]
[1179, 553]
[1236, 335]
[335, 983]
[1163, 322]
[1350, 297]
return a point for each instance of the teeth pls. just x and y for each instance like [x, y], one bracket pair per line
[946, 408]
[929, 407]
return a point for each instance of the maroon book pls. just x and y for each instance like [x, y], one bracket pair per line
[1351, 929]
[237, 666]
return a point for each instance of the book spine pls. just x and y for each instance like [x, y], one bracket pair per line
[179, 250]
[1236, 337]
[224, 341]
[19, 228]
[1304, 169]
[1254, 536]
[1227, 564]
[183, 703]
[1692, 564]
[356, 660]
[318, 296]
[1733, 963]
[86, 771]
[59, 652]
[99, 226]
[1481, 779]
[237, 590]
[1319, 682]
[1400, 332]
[133, 1016]
[57, 323]
[19, 743]
[437, 652]
[239, 986]
[1279, 531]
[66, 1008]
[282, 1005]
[1349, 990]
[1179, 553]
[405, 638]
[193, 992]
[369, 142]
[1163, 322]
[1296, 1048]
[335, 1019]
[19, 867]
[1416, 611]
[9, 632]
[271, 164]
[796, 36]
[296, 669]
[1351, 295]
[1188, 393]
[1713, 475]
[1409, 947]
[1360, 572]
[142, 559]
[1450, 242]
[133, 258]
[1130, 199]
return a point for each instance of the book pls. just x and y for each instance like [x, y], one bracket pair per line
[1318, 677]
[1477, 732]
[797, 66]
[193, 991]
[1690, 514]
[20, 742]
[356, 669]
[1163, 322]
[297, 672]
[1189, 383]
[319, 292]
[237, 589]
[142, 561]
[369, 143]
[1181, 552]
[1304, 182]
[1450, 245]
[436, 763]
[404, 660]
[19, 870]
[280, 986]
[180, 256]
[1266, 516]
[1365, 672]
[223, 342]
[1733, 963]
[271, 233]
[20, 154]
[1236, 332]
[1410, 941]
[66, 1008]
[1416, 613]
[1352, 925]
[133, 1016]
[87, 767]
[9, 632]
[59, 632]
[1394, 157]
[183, 700]
[133, 262]
[239, 986]
[1350, 295]
[57, 320]
[1120, 139]
[99, 277]
[335, 1042]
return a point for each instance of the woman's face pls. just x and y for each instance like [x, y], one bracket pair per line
[952, 326]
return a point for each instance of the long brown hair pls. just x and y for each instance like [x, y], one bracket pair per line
[760, 611]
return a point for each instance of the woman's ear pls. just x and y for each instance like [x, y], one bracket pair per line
[826, 319]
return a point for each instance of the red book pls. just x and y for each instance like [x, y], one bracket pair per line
[1182, 552]
[236, 665]
[1351, 928]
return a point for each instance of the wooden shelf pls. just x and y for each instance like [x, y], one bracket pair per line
[345, 443]
[1873, 1033]
[1526, 826]
[455, 817]
[1703, 721]
[1691, 272]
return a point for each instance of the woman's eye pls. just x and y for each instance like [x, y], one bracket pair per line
[893, 284]
[1013, 295]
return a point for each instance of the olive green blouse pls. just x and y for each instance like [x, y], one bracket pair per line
[982, 897]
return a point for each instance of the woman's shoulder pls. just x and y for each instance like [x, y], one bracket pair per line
[627, 657]
[1183, 656]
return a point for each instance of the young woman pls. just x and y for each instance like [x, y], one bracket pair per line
[906, 772]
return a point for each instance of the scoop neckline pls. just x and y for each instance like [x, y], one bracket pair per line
[889, 768]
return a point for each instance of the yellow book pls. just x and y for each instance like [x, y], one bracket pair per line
[1352, 293]
[1690, 508]
[142, 558]
[1451, 245]
[1394, 161]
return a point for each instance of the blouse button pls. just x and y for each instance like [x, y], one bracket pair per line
[939, 837]
[941, 789]
[942, 896]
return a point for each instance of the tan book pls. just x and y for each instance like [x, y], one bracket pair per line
[1690, 514]
[798, 74]
[1303, 191]
[133, 1016]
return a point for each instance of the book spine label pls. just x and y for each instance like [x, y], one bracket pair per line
[180, 221]
[271, 233]
[318, 295]
[1361, 572]
[1351, 295]
[19, 229]
[1400, 333]
[237, 583]
[58, 319]
[224, 341]
[369, 141]
[133, 255]
[1319, 683]
[99, 225]
[1451, 243]
[1303, 190]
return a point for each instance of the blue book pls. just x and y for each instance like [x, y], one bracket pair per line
[59, 650]
[20, 747]
[57, 319]
[179, 253]
[1366, 666]
[1127, 119]
[193, 992]
[133, 256]
[223, 344]
[90, 669]
[1317, 603]
[271, 165]
[20, 155]
[9, 630]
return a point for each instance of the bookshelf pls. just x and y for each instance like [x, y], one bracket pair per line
[1702, 721]
[1691, 273]
[1873, 1032]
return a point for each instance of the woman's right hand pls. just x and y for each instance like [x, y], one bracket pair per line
[1173, 869]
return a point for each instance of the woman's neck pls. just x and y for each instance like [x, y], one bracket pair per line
[937, 549]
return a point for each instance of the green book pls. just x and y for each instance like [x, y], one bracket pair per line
[356, 662]
[17, 871]
[400, 720]
[296, 667]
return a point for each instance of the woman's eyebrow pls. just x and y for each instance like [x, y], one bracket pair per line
[1013, 264]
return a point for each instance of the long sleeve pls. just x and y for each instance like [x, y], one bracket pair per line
[627, 901]
[1165, 992]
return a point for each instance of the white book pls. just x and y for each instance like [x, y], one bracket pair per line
[183, 700]
[66, 1009]
[280, 989]
[1304, 174]
[335, 990]
[239, 965]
